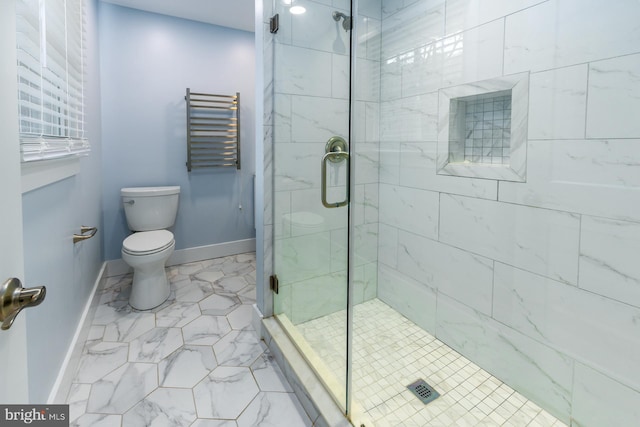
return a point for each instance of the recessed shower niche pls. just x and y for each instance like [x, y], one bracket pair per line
[483, 129]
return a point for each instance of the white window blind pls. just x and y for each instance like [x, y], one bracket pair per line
[50, 43]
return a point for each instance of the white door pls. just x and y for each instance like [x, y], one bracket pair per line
[13, 342]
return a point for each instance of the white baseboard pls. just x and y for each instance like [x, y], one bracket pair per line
[61, 387]
[117, 267]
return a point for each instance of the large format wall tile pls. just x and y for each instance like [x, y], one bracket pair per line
[595, 177]
[412, 299]
[538, 240]
[438, 266]
[473, 55]
[412, 27]
[465, 14]
[418, 170]
[302, 71]
[540, 373]
[317, 30]
[558, 103]
[318, 119]
[609, 259]
[575, 31]
[600, 401]
[413, 210]
[614, 98]
[570, 320]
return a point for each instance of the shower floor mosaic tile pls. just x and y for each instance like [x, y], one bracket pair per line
[193, 361]
[390, 352]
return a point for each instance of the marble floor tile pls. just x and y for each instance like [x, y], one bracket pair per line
[163, 407]
[187, 366]
[159, 367]
[225, 393]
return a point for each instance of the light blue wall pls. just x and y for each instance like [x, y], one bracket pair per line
[147, 62]
[51, 215]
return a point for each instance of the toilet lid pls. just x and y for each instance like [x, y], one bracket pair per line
[147, 242]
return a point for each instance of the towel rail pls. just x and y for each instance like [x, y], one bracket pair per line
[213, 130]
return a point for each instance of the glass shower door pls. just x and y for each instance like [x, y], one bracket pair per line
[311, 183]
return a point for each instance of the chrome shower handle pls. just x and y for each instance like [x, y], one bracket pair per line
[333, 156]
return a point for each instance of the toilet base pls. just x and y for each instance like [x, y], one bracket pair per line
[150, 286]
[149, 289]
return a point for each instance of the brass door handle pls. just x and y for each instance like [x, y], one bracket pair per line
[13, 298]
[83, 229]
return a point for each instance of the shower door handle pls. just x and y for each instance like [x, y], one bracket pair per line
[333, 156]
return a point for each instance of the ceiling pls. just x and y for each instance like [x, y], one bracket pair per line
[237, 14]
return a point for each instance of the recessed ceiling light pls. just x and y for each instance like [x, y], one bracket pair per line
[297, 10]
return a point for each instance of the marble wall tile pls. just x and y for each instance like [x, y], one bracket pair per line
[302, 168]
[614, 97]
[388, 245]
[373, 34]
[609, 259]
[421, 69]
[540, 373]
[412, 27]
[575, 31]
[319, 296]
[538, 240]
[599, 401]
[410, 209]
[391, 78]
[302, 71]
[339, 76]
[473, 55]
[390, 163]
[571, 320]
[437, 266]
[465, 14]
[367, 161]
[305, 202]
[412, 299]
[594, 177]
[302, 257]
[410, 119]
[316, 29]
[318, 119]
[371, 8]
[371, 203]
[418, 170]
[558, 103]
[281, 118]
[367, 80]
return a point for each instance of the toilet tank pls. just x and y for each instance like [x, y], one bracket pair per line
[150, 208]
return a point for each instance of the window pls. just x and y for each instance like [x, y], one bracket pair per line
[50, 43]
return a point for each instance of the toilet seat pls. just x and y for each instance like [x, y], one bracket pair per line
[147, 242]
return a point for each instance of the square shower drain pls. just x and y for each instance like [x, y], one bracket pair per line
[423, 391]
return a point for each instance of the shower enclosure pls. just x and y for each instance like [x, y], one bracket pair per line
[454, 198]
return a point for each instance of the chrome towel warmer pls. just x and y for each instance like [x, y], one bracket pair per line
[213, 130]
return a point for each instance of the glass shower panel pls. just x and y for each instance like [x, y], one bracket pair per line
[311, 167]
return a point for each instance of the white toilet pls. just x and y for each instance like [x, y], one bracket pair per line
[149, 211]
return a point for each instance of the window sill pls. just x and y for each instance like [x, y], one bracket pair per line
[38, 174]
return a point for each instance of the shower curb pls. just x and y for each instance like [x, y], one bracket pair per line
[315, 399]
